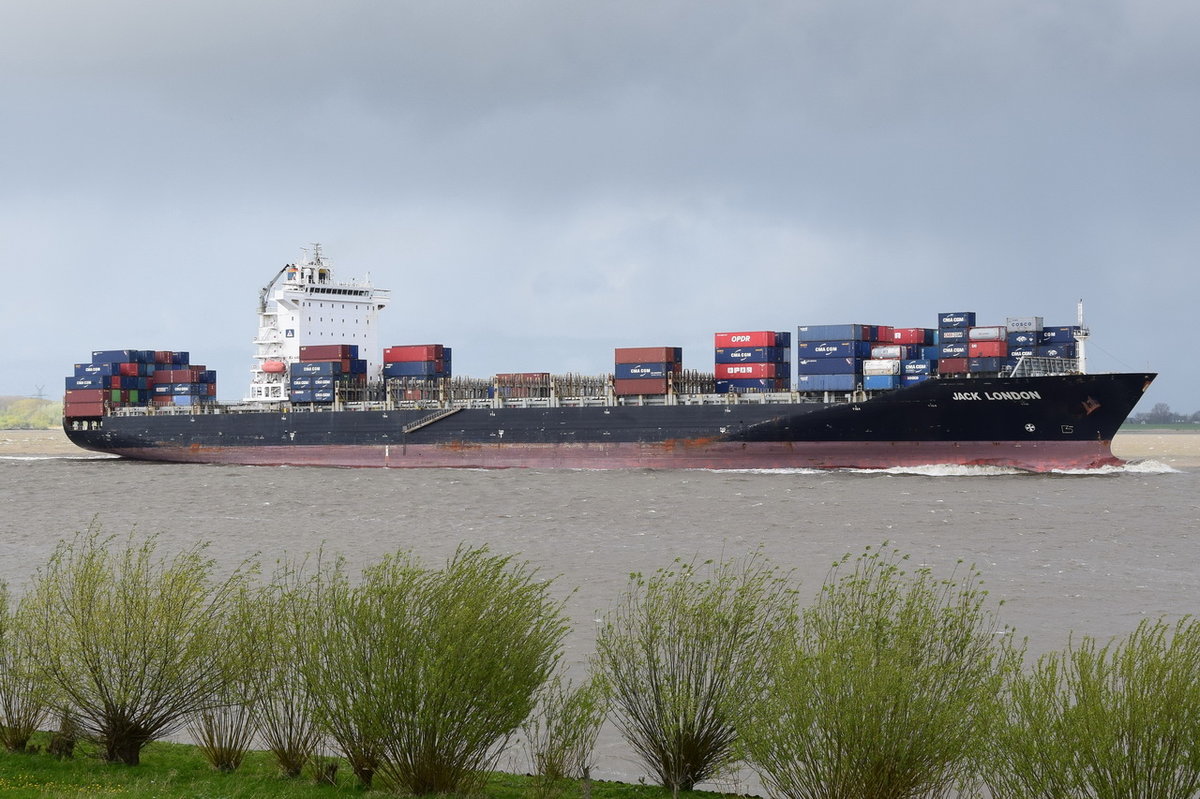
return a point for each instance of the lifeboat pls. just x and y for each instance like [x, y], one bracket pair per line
[274, 367]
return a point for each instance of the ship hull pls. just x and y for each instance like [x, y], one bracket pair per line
[1035, 423]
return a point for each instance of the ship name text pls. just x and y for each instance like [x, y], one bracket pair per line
[996, 395]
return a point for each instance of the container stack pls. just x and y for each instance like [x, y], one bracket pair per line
[831, 357]
[987, 349]
[121, 378]
[901, 362]
[754, 361]
[1057, 342]
[327, 372]
[646, 370]
[422, 361]
[954, 342]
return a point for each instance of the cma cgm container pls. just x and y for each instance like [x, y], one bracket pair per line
[632, 371]
[1059, 335]
[829, 366]
[956, 319]
[754, 354]
[833, 349]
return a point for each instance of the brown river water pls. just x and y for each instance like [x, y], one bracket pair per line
[1089, 554]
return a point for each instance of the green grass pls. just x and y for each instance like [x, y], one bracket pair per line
[177, 771]
[1136, 427]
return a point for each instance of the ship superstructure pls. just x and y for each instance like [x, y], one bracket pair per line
[304, 305]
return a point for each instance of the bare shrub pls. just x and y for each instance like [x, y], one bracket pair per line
[682, 655]
[561, 732]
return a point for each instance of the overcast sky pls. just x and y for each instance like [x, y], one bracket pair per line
[541, 181]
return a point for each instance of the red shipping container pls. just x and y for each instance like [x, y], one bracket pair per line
[128, 369]
[753, 338]
[73, 410]
[952, 366]
[326, 352]
[884, 336]
[164, 356]
[987, 349]
[414, 352]
[911, 335]
[645, 385]
[725, 371]
[84, 395]
[648, 355]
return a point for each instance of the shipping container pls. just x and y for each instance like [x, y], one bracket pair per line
[956, 319]
[628, 371]
[959, 350]
[988, 333]
[95, 369]
[301, 382]
[98, 381]
[984, 365]
[78, 410]
[316, 368]
[917, 367]
[728, 371]
[648, 355]
[912, 335]
[754, 355]
[1022, 339]
[1022, 352]
[1059, 335]
[118, 356]
[84, 395]
[892, 351]
[413, 352]
[829, 366]
[328, 352]
[640, 386]
[1064, 350]
[987, 349]
[880, 382]
[953, 335]
[752, 338]
[833, 349]
[830, 382]
[912, 380]
[832, 333]
[881, 366]
[1023, 324]
[952, 366]
[752, 385]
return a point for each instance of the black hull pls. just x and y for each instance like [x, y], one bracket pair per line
[1036, 423]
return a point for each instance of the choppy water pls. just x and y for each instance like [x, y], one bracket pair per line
[1092, 554]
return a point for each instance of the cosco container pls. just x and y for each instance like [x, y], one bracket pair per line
[990, 333]
[880, 382]
[648, 355]
[1023, 324]
[829, 366]
[753, 355]
[956, 319]
[987, 349]
[833, 382]
[753, 338]
[627, 371]
[888, 366]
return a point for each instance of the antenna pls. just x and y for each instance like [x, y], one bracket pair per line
[1081, 337]
[40, 394]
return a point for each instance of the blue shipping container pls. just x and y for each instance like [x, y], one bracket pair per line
[984, 364]
[834, 332]
[86, 382]
[95, 369]
[1019, 339]
[316, 368]
[629, 371]
[912, 380]
[827, 382]
[186, 400]
[880, 382]
[833, 349]
[1059, 335]
[829, 366]
[916, 367]
[413, 369]
[749, 385]
[1022, 352]
[1055, 350]
[954, 350]
[956, 319]
[753, 355]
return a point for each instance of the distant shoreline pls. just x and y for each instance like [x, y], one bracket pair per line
[1179, 449]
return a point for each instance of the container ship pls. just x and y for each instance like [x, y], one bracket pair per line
[324, 393]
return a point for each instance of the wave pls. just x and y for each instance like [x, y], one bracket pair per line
[95, 457]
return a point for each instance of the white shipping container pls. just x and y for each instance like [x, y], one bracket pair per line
[881, 366]
[889, 351]
[1023, 324]
[987, 334]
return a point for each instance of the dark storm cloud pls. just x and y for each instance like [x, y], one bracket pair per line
[602, 174]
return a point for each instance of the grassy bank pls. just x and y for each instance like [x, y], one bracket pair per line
[176, 770]
[29, 413]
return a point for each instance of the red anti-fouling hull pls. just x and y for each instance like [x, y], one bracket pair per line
[1031, 456]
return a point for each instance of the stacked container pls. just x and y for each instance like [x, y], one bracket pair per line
[120, 378]
[424, 361]
[326, 372]
[645, 370]
[831, 357]
[954, 342]
[753, 361]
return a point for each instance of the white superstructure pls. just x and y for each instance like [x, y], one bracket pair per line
[303, 305]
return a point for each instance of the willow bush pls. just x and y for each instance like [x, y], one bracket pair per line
[1109, 722]
[128, 640]
[885, 690]
[430, 672]
[24, 698]
[561, 732]
[682, 655]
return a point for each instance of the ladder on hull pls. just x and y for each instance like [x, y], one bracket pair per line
[424, 421]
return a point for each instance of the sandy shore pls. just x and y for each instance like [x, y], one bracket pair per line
[1179, 450]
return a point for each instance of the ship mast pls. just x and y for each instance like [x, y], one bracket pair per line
[1081, 337]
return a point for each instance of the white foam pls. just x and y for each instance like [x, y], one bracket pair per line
[96, 457]
[1130, 467]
